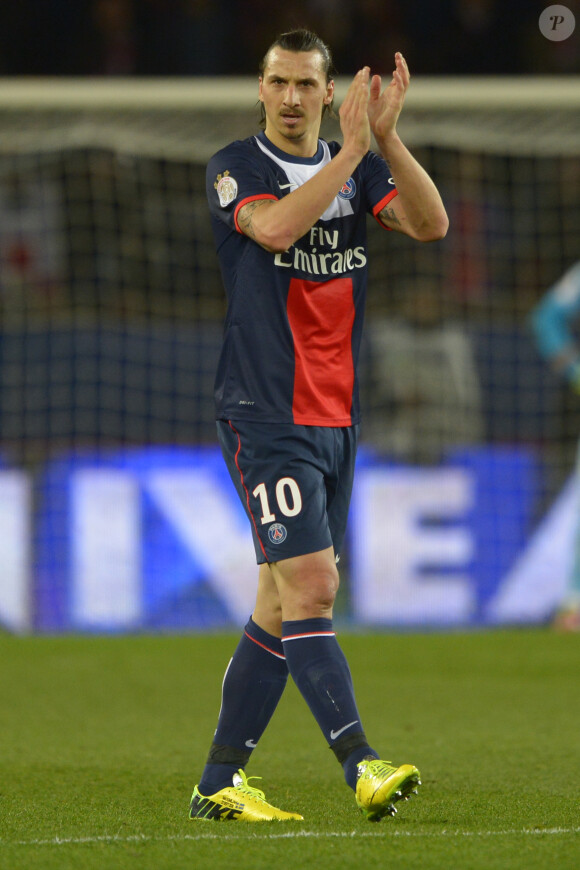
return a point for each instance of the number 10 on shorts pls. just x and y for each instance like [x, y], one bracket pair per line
[287, 490]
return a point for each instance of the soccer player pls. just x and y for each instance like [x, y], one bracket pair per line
[289, 217]
[552, 322]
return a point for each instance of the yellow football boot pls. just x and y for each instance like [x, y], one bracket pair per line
[380, 785]
[237, 802]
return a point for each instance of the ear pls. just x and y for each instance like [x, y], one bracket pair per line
[260, 82]
[329, 96]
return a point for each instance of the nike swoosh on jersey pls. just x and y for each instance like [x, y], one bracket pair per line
[284, 186]
[250, 744]
[335, 734]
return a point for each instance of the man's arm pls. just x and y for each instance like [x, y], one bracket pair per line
[417, 210]
[276, 225]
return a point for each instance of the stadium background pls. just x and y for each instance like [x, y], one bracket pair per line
[115, 510]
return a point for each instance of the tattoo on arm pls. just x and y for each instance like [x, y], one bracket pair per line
[245, 218]
[388, 215]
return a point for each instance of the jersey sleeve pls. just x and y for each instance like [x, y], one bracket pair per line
[378, 183]
[234, 177]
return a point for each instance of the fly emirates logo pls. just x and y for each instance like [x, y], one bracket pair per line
[322, 256]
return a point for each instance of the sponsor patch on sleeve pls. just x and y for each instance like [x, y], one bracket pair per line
[227, 188]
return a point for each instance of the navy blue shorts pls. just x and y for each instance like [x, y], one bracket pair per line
[295, 483]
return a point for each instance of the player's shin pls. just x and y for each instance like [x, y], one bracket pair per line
[320, 670]
[253, 684]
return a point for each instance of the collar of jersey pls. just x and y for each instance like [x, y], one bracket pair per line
[290, 158]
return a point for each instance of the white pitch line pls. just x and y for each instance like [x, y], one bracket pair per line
[207, 835]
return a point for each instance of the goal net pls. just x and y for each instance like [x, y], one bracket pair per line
[115, 510]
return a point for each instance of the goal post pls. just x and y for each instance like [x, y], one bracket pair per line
[438, 110]
[111, 310]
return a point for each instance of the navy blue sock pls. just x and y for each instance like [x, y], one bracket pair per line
[350, 765]
[253, 684]
[320, 670]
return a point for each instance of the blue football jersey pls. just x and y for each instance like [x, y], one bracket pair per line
[294, 322]
[557, 312]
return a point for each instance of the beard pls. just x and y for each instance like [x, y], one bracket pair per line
[290, 132]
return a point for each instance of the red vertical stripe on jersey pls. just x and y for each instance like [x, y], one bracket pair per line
[321, 317]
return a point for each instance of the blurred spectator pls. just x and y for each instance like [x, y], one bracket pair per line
[115, 40]
[425, 395]
[32, 254]
[554, 324]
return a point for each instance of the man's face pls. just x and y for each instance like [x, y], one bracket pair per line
[294, 92]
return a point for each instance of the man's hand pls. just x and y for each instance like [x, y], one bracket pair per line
[384, 109]
[353, 113]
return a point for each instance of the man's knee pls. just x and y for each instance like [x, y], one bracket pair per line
[324, 588]
[307, 585]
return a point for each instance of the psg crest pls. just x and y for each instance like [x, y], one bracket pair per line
[348, 189]
[277, 533]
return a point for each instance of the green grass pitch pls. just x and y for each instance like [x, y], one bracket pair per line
[103, 739]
